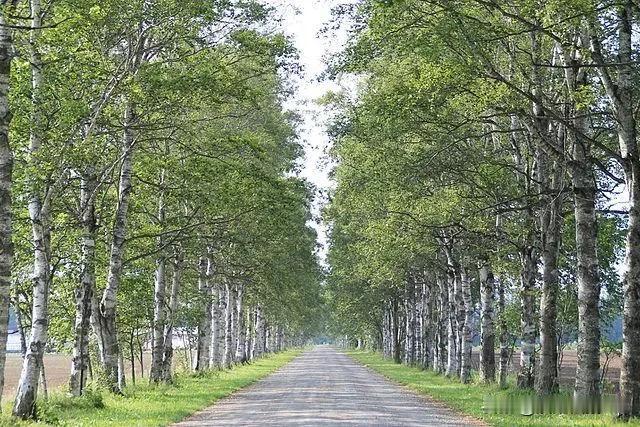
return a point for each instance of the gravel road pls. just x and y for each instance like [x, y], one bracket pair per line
[325, 387]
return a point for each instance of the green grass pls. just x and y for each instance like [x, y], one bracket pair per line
[469, 398]
[146, 405]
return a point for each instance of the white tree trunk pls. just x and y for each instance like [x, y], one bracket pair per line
[25, 402]
[219, 326]
[622, 100]
[106, 324]
[528, 324]
[440, 353]
[86, 286]
[409, 348]
[229, 347]
[259, 343]
[452, 360]
[248, 335]
[160, 287]
[504, 349]
[467, 333]
[234, 325]
[240, 355]
[487, 327]
[204, 328]
[6, 167]
[176, 282]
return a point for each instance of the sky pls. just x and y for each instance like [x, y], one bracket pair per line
[302, 21]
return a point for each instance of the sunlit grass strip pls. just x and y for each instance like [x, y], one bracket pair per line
[145, 405]
[469, 398]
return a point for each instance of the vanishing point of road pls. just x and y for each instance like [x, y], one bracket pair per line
[324, 387]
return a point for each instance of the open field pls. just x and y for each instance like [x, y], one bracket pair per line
[57, 368]
[567, 368]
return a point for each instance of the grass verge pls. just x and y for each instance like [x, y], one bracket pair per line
[469, 398]
[146, 405]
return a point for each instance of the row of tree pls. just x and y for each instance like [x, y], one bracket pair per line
[488, 169]
[147, 183]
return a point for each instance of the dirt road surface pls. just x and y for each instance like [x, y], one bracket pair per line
[325, 387]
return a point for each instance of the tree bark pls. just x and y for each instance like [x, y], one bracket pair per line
[259, 342]
[160, 287]
[452, 360]
[620, 94]
[467, 333]
[528, 338]
[176, 282]
[240, 355]
[229, 347]
[204, 327]
[6, 169]
[546, 381]
[86, 286]
[443, 324]
[248, 344]
[106, 324]
[504, 349]
[218, 335]
[410, 326]
[584, 192]
[25, 402]
[487, 327]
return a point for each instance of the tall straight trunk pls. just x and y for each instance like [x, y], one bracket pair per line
[548, 176]
[229, 348]
[395, 331]
[259, 342]
[160, 288]
[410, 339]
[248, 343]
[452, 359]
[546, 380]
[584, 190]
[25, 402]
[504, 348]
[467, 333]
[218, 335]
[204, 327]
[157, 350]
[6, 168]
[86, 285]
[240, 355]
[106, 314]
[386, 348]
[460, 316]
[487, 325]
[280, 338]
[588, 366]
[235, 327]
[267, 337]
[527, 321]
[133, 358]
[630, 372]
[121, 372]
[443, 323]
[428, 333]
[620, 93]
[420, 326]
[176, 281]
